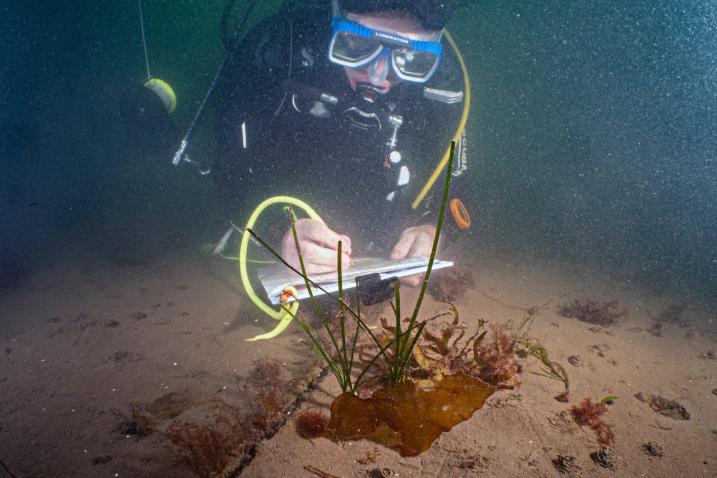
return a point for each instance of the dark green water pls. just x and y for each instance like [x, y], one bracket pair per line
[596, 132]
[592, 132]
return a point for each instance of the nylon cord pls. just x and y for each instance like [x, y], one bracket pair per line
[144, 41]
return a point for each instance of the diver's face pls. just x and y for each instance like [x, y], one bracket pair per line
[379, 73]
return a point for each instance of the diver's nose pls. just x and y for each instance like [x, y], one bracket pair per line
[378, 70]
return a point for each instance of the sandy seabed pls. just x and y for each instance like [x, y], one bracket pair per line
[84, 339]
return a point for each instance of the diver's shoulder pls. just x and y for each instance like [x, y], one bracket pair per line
[302, 15]
[310, 10]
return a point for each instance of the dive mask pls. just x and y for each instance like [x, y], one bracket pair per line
[355, 45]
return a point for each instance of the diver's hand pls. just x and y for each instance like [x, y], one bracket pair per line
[319, 246]
[414, 241]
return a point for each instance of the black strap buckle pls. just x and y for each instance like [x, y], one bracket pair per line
[372, 289]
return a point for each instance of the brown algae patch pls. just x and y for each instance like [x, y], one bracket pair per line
[593, 311]
[404, 417]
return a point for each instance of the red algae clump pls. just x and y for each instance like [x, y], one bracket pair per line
[311, 424]
[590, 414]
[404, 417]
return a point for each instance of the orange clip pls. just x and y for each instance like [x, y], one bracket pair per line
[460, 213]
[285, 296]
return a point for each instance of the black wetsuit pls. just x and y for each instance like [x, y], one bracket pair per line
[278, 136]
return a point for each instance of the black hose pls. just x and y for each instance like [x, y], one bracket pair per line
[231, 42]
[224, 22]
[6, 470]
[234, 42]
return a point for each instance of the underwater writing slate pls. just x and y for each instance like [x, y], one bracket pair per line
[275, 279]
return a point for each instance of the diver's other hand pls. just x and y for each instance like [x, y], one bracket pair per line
[319, 246]
[414, 241]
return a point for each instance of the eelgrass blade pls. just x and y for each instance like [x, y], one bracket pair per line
[354, 314]
[342, 324]
[301, 274]
[315, 285]
[314, 303]
[305, 276]
[355, 338]
[318, 348]
[317, 309]
[344, 376]
[381, 352]
[439, 225]
[409, 351]
[398, 349]
[400, 361]
[397, 367]
[289, 266]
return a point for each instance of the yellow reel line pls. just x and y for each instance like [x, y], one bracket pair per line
[283, 315]
[461, 125]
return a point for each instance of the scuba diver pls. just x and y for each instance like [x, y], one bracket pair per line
[351, 106]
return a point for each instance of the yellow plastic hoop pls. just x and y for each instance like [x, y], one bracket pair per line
[286, 313]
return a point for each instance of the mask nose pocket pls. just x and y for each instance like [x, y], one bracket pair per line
[378, 69]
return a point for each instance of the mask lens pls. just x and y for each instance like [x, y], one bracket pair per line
[414, 65]
[350, 48]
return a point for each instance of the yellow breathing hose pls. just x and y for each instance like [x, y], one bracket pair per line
[461, 125]
[283, 315]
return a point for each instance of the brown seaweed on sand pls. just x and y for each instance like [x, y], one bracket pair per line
[144, 417]
[664, 406]
[442, 350]
[671, 314]
[407, 418]
[590, 414]
[496, 352]
[496, 358]
[593, 312]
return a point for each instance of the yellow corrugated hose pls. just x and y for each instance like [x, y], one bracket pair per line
[461, 125]
[285, 314]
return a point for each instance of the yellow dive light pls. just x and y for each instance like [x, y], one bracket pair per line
[165, 92]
